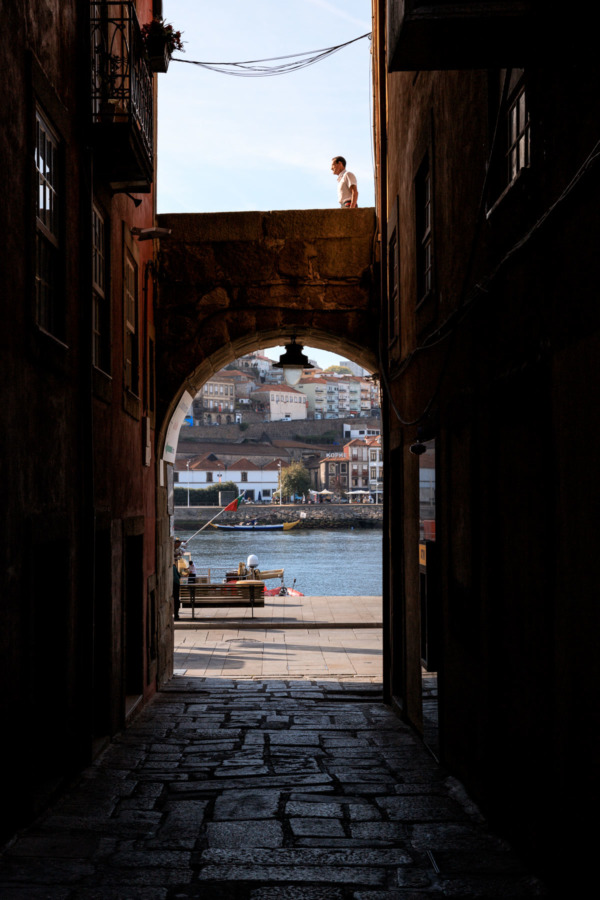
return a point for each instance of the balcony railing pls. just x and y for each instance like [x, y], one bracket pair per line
[122, 97]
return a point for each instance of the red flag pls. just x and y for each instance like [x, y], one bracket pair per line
[234, 503]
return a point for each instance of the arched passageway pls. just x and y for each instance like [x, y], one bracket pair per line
[231, 283]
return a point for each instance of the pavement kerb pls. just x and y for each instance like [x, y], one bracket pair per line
[206, 624]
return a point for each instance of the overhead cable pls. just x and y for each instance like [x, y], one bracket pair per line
[256, 68]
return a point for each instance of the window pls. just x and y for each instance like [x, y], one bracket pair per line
[427, 486]
[424, 231]
[511, 120]
[151, 376]
[130, 306]
[393, 274]
[100, 299]
[209, 477]
[518, 134]
[49, 299]
[393, 279]
[244, 476]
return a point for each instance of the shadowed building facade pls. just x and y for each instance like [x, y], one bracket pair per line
[471, 290]
[487, 152]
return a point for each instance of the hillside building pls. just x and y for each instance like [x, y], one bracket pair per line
[281, 403]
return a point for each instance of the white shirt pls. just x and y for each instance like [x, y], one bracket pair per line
[345, 179]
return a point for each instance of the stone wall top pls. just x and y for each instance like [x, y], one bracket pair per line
[305, 224]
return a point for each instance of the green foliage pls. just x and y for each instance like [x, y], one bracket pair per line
[295, 479]
[244, 426]
[208, 496]
[328, 437]
[339, 370]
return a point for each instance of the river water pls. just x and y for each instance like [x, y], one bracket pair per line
[339, 562]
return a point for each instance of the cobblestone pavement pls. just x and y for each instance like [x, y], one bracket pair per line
[263, 790]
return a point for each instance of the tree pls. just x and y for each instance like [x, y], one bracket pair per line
[295, 479]
[339, 370]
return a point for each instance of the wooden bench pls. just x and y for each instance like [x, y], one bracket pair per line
[234, 593]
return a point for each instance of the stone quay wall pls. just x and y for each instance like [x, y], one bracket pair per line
[318, 515]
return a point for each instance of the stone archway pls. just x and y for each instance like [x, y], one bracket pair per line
[230, 283]
[235, 282]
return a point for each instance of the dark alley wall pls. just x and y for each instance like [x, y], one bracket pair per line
[78, 643]
[493, 354]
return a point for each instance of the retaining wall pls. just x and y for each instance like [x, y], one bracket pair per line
[320, 515]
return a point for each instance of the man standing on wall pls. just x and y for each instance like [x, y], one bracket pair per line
[347, 187]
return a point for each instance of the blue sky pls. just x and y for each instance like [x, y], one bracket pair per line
[228, 143]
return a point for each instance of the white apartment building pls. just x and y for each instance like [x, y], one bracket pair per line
[281, 402]
[315, 391]
[332, 399]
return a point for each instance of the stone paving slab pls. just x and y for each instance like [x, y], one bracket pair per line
[362, 612]
[191, 802]
[343, 653]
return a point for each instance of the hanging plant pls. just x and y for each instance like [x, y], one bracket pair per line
[160, 41]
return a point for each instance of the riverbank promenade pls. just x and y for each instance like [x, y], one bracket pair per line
[282, 777]
[325, 637]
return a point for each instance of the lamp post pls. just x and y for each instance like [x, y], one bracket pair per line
[187, 465]
[279, 479]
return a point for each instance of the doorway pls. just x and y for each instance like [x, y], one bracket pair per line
[429, 598]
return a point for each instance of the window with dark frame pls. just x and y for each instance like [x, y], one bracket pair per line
[49, 296]
[423, 202]
[130, 306]
[393, 281]
[518, 133]
[510, 123]
[151, 376]
[100, 299]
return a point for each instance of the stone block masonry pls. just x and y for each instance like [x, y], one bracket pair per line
[264, 790]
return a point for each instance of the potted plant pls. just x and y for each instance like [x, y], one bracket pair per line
[160, 40]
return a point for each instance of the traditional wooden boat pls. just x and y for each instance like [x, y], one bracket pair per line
[281, 526]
